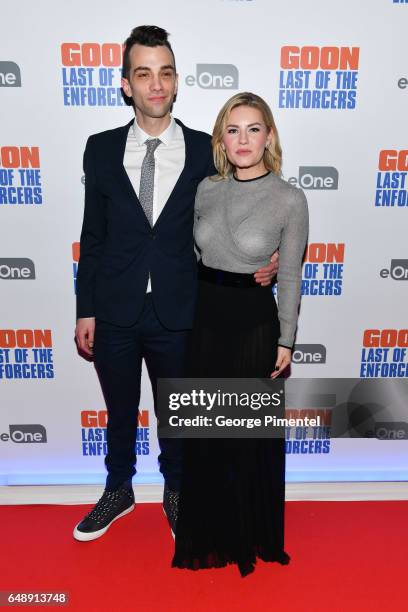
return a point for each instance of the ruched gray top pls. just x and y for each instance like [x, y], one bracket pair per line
[239, 224]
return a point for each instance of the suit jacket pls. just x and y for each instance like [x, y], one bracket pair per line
[119, 249]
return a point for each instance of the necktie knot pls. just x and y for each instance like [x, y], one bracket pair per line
[151, 145]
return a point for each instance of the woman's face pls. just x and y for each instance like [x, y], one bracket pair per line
[245, 137]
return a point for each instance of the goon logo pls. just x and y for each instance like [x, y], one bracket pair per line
[75, 260]
[26, 353]
[384, 353]
[10, 75]
[93, 433]
[391, 188]
[91, 74]
[300, 441]
[318, 77]
[20, 178]
[16, 269]
[214, 76]
[322, 272]
[25, 434]
[316, 177]
[323, 269]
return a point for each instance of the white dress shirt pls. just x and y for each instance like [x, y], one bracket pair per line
[169, 162]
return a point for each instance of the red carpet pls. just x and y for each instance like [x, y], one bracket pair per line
[346, 556]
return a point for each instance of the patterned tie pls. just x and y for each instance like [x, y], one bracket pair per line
[147, 179]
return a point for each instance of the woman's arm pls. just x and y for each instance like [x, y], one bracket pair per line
[197, 202]
[291, 250]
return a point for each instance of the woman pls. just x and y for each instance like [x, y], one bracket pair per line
[232, 499]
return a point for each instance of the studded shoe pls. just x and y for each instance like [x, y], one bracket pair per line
[170, 507]
[111, 506]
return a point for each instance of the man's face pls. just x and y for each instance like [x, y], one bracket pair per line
[152, 81]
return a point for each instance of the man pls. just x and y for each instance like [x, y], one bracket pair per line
[136, 280]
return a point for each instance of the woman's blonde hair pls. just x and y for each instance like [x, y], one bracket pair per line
[273, 153]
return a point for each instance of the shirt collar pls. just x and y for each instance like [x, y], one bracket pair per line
[166, 137]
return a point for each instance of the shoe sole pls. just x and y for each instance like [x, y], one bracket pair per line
[172, 532]
[83, 536]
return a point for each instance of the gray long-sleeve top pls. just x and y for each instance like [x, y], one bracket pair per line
[239, 224]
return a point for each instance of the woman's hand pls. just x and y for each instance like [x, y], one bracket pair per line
[282, 361]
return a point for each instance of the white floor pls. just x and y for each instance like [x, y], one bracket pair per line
[313, 491]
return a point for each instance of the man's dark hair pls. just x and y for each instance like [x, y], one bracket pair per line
[148, 36]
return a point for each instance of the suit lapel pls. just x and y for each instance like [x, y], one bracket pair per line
[122, 147]
[183, 173]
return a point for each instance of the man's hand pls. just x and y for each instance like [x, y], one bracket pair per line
[84, 334]
[265, 275]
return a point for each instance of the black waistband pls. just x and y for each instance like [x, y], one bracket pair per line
[225, 278]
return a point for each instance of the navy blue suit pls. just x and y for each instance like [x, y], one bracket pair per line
[118, 250]
[118, 246]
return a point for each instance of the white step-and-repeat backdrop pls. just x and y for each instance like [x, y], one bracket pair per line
[336, 77]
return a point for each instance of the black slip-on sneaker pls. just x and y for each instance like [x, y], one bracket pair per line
[111, 506]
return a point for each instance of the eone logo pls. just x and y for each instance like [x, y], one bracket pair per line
[214, 76]
[25, 434]
[398, 270]
[403, 83]
[316, 177]
[10, 75]
[309, 353]
[389, 431]
[17, 269]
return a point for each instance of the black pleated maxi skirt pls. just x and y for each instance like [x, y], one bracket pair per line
[233, 490]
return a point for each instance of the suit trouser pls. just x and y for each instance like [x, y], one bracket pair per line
[118, 353]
